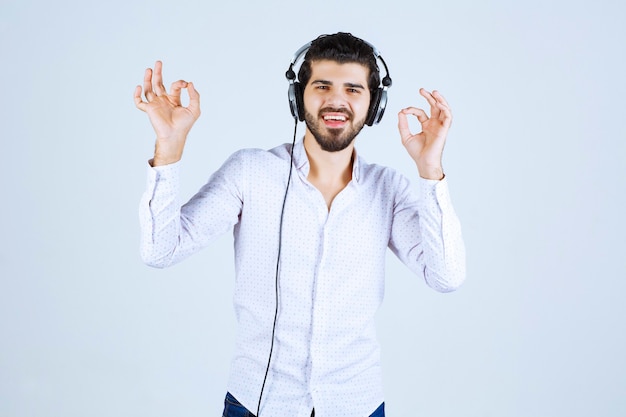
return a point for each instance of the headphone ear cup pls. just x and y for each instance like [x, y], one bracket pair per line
[374, 106]
[299, 94]
[293, 102]
[382, 105]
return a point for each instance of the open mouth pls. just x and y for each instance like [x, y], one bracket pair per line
[334, 119]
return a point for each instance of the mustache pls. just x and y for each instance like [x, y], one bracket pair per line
[335, 110]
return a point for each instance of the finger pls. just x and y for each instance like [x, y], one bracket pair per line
[175, 91]
[403, 122]
[434, 110]
[139, 103]
[157, 81]
[445, 115]
[147, 84]
[403, 126]
[194, 100]
[419, 113]
[437, 95]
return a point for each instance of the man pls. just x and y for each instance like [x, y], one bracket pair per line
[312, 222]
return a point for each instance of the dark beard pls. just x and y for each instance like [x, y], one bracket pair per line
[334, 140]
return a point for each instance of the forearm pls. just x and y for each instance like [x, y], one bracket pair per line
[171, 232]
[159, 215]
[443, 247]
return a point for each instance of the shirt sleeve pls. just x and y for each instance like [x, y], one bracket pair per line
[426, 235]
[171, 232]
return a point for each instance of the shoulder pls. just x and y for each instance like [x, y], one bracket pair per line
[249, 157]
[387, 183]
[382, 175]
[252, 164]
[257, 155]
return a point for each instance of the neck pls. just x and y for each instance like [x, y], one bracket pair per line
[331, 168]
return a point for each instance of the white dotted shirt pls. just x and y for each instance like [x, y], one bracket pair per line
[331, 271]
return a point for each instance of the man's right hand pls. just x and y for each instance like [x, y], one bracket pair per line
[170, 120]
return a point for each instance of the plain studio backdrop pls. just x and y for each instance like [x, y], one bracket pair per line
[535, 163]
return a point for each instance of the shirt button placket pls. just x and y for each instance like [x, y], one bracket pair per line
[317, 318]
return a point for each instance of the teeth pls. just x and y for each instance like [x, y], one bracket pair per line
[341, 118]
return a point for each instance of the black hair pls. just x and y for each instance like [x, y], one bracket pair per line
[342, 48]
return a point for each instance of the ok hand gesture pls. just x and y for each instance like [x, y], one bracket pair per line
[170, 120]
[426, 147]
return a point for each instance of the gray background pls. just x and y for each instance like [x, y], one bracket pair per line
[534, 160]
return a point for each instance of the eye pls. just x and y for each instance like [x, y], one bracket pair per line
[354, 90]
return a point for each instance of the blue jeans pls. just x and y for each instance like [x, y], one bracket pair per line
[233, 408]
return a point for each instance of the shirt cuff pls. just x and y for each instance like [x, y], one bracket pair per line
[434, 193]
[163, 178]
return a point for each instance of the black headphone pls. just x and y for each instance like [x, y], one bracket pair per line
[295, 93]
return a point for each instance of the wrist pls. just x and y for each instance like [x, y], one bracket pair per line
[159, 161]
[431, 173]
[168, 151]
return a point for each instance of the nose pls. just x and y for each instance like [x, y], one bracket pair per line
[336, 99]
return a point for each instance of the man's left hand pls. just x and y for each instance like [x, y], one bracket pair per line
[426, 147]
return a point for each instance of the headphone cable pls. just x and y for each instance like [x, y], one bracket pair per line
[280, 241]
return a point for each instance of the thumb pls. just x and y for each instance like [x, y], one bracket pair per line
[194, 100]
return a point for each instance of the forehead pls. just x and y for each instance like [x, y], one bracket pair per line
[334, 71]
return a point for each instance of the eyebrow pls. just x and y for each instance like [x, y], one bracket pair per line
[350, 85]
